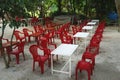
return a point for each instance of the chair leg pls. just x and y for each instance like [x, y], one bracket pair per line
[42, 67]
[49, 62]
[17, 59]
[29, 39]
[57, 57]
[76, 74]
[23, 55]
[33, 65]
[89, 73]
[93, 64]
[80, 70]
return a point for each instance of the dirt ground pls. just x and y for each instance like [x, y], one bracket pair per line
[107, 65]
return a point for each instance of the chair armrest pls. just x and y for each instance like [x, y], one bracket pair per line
[91, 49]
[30, 30]
[52, 44]
[46, 51]
[21, 32]
[5, 39]
[15, 46]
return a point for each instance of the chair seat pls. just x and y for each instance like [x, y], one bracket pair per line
[14, 52]
[41, 58]
[84, 65]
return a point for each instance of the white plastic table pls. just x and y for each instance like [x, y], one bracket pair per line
[91, 23]
[95, 20]
[88, 28]
[64, 50]
[81, 35]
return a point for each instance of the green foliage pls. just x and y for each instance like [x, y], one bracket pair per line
[28, 8]
[17, 24]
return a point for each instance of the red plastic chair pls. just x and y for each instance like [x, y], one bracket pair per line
[83, 65]
[19, 36]
[100, 27]
[39, 29]
[66, 38]
[97, 36]
[45, 44]
[49, 26]
[50, 36]
[75, 30]
[93, 49]
[28, 33]
[34, 21]
[59, 31]
[67, 26]
[47, 19]
[94, 45]
[89, 56]
[17, 50]
[41, 59]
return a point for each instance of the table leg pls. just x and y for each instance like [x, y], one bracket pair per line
[70, 67]
[51, 64]
[74, 40]
[85, 42]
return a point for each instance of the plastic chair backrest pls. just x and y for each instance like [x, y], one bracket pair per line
[43, 43]
[34, 51]
[16, 33]
[21, 46]
[25, 30]
[38, 29]
[74, 29]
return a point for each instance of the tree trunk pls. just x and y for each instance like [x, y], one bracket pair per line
[59, 6]
[3, 54]
[117, 3]
[1, 46]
